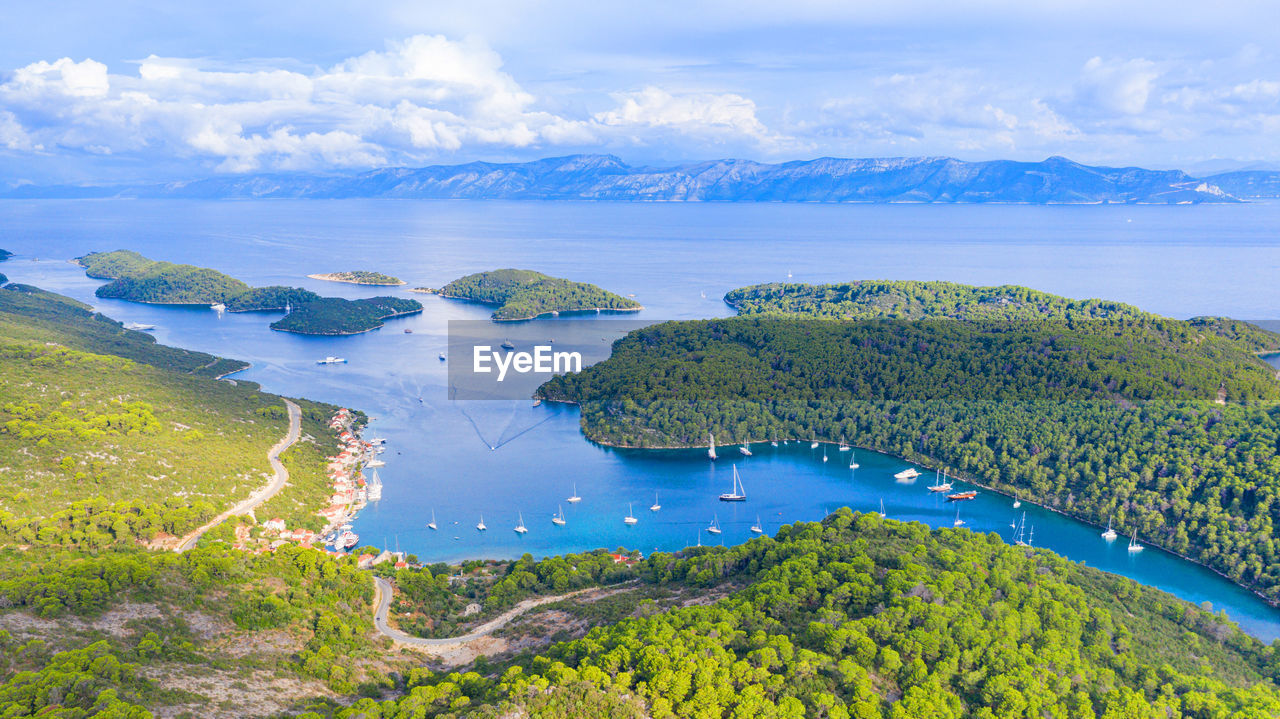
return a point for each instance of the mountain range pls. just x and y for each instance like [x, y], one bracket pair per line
[1055, 180]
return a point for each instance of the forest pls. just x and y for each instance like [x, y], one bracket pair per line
[1166, 427]
[361, 277]
[336, 316]
[525, 294]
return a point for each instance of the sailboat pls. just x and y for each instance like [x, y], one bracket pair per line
[1110, 534]
[558, 519]
[853, 461]
[814, 444]
[480, 527]
[373, 487]
[959, 522]
[432, 523]
[824, 454]
[575, 498]
[629, 519]
[843, 447]
[1133, 543]
[711, 445]
[1016, 501]
[757, 528]
[520, 528]
[743, 449]
[940, 486]
[715, 525]
[739, 493]
[655, 506]
[881, 512]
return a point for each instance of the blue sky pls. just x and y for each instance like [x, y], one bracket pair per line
[130, 90]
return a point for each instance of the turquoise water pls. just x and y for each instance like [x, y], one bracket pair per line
[1180, 261]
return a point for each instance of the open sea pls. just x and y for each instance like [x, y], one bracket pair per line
[678, 260]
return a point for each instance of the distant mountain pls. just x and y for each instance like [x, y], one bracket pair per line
[605, 177]
[1248, 184]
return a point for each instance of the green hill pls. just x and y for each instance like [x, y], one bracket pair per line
[336, 316]
[1166, 427]
[525, 294]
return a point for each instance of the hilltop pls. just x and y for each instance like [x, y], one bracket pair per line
[525, 294]
[1055, 180]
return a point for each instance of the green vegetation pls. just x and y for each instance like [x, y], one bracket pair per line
[866, 617]
[360, 277]
[525, 294]
[136, 278]
[1167, 427]
[139, 279]
[95, 418]
[275, 297]
[336, 316]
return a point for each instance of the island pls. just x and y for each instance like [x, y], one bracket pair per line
[526, 295]
[5, 254]
[1152, 423]
[359, 277]
[337, 316]
[139, 279]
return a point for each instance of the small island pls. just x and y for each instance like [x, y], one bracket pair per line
[139, 279]
[336, 316]
[5, 254]
[359, 277]
[526, 295]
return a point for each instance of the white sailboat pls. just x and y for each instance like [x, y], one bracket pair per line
[629, 519]
[738, 493]
[711, 445]
[824, 454]
[655, 506]
[373, 488]
[432, 523]
[757, 528]
[558, 519]
[881, 512]
[575, 498]
[844, 447]
[814, 444]
[715, 525]
[1016, 501]
[1110, 534]
[940, 486]
[1133, 543]
[853, 461]
[480, 527]
[959, 522]
[1021, 527]
[745, 452]
[520, 528]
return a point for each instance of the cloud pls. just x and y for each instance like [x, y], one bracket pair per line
[425, 98]
[1115, 86]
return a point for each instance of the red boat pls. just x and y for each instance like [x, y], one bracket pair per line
[958, 496]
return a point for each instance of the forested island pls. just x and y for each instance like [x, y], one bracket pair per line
[525, 294]
[139, 279]
[1166, 427]
[336, 316]
[359, 277]
[5, 254]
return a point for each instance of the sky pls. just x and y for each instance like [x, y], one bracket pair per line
[103, 91]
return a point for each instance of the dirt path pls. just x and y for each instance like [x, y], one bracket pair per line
[257, 498]
[382, 605]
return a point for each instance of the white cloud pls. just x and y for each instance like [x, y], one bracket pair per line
[1116, 86]
[696, 112]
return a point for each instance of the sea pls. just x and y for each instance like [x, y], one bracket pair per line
[510, 461]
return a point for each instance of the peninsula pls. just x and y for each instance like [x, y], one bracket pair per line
[526, 295]
[1013, 396]
[359, 277]
[139, 279]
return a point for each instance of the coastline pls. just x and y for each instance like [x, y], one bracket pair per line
[933, 464]
[429, 291]
[381, 324]
[334, 277]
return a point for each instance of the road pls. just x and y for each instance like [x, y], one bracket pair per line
[257, 498]
[382, 604]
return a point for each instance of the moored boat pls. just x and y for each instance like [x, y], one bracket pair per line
[961, 496]
[738, 493]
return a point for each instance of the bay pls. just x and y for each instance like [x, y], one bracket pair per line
[678, 260]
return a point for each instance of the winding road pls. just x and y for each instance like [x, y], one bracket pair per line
[257, 498]
[382, 604]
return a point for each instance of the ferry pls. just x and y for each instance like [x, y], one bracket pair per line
[908, 473]
[739, 493]
[139, 327]
[961, 496]
[408, 331]
[331, 360]
[346, 540]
